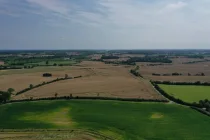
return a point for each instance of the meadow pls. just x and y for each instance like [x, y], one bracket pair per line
[119, 120]
[187, 93]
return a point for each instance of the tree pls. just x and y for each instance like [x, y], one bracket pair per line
[47, 75]
[4, 96]
[66, 76]
[10, 90]
[47, 62]
[70, 96]
[56, 95]
[54, 64]
[31, 86]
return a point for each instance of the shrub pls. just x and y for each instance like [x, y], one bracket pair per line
[47, 75]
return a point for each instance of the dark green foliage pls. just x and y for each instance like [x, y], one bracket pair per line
[31, 86]
[10, 90]
[173, 74]
[47, 75]
[135, 72]
[4, 96]
[150, 59]
[109, 57]
[196, 56]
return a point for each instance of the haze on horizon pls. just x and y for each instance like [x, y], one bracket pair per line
[104, 24]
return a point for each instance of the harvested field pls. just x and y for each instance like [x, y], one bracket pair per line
[184, 69]
[102, 80]
[22, 81]
[182, 60]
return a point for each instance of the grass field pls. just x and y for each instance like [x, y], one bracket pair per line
[119, 120]
[187, 93]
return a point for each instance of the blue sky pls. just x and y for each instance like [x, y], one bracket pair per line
[104, 24]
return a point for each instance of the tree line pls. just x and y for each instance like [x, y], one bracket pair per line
[90, 98]
[197, 83]
[172, 74]
[154, 59]
[135, 72]
[45, 83]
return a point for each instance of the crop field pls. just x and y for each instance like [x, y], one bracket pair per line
[23, 80]
[101, 80]
[187, 93]
[177, 66]
[51, 135]
[114, 119]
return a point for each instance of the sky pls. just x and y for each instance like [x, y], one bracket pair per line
[104, 24]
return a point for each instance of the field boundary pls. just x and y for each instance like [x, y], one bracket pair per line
[45, 83]
[195, 106]
[88, 98]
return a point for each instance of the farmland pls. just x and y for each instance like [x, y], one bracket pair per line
[142, 120]
[21, 79]
[80, 76]
[99, 80]
[177, 66]
[187, 93]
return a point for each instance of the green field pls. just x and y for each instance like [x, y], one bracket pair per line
[121, 120]
[187, 93]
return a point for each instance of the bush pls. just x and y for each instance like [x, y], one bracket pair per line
[47, 75]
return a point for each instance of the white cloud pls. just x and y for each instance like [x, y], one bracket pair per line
[174, 6]
[52, 5]
[134, 22]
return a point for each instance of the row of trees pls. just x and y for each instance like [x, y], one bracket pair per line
[91, 98]
[135, 72]
[177, 74]
[10, 67]
[153, 59]
[45, 83]
[173, 74]
[198, 83]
